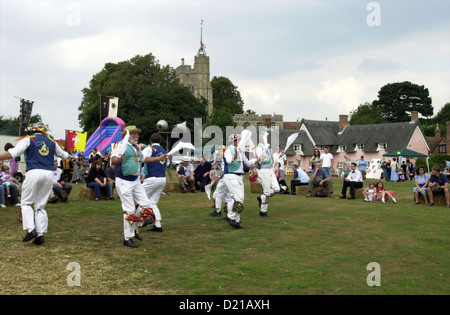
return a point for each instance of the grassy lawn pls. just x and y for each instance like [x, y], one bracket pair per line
[306, 246]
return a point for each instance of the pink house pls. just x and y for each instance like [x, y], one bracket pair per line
[370, 141]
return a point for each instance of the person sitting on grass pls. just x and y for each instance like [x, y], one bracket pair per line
[438, 184]
[383, 194]
[370, 192]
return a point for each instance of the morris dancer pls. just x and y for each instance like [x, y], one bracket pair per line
[234, 160]
[155, 164]
[265, 173]
[40, 151]
[127, 160]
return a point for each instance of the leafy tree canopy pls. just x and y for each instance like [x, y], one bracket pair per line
[397, 100]
[226, 96]
[147, 92]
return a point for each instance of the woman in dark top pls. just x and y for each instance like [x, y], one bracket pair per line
[97, 181]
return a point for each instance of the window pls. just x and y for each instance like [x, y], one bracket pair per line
[381, 146]
[442, 148]
[342, 148]
[297, 147]
[359, 146]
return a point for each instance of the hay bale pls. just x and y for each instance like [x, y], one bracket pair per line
[172, 187]
[438, 200]
[88, 194]
[256, 188]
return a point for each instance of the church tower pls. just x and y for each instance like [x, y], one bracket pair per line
[197, 79]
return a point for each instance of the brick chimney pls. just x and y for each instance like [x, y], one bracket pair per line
[438, 133]
[343, 121]
[414, 115]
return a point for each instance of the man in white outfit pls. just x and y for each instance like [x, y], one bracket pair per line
[155, 163]
[234, 160]
[127, 159]
[268, 179]
[40, 151]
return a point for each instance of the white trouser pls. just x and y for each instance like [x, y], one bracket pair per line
[235, 186]
[270, 186]
[129, 192]
[154, 186]
[222, 194]
[36, 190]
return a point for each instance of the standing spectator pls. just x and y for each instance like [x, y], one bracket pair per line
[362, 165]
[327, 160]
[201, 174]
[410, 168]
[394, 174]
[60, 187]
[346, 166]
[353, 180]
[79, 169]
[438, 184]
[300, 178]
[315, 159]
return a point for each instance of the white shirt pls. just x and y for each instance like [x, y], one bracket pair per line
[57, 175]
[188, 170]
[240, 156]
[355, 176]
[326, 159]
[23, 145]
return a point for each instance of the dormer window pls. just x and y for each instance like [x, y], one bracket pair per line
[297, 147]
[381, 146]
[359, 146]
[342, 148]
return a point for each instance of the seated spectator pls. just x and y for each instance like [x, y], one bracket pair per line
[300, 178]
[79, 169]
[319, 177]
[110, 173]
[438, 184]
[7, 180]
[353, 180]
[188, 178]
[13, 191]
[382, 194]
[201, 174]
[60, 187]
[421, 187]
[370, 192]
[96, 180]
[94, 156]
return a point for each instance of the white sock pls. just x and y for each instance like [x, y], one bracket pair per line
[158, 223]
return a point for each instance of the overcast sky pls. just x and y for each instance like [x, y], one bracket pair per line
[302, 59]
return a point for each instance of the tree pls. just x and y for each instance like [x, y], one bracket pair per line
[226, 95]
[10, 126]
[366, 114]
[147, 92]
[440, 119]
[395, 100]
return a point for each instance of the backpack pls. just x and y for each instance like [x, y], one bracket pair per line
[321, 193]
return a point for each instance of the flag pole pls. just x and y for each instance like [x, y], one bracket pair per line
[100, 117]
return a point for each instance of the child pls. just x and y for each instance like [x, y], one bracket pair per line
[8, 179]
[382, 193]
[182, 173]
[369, 192]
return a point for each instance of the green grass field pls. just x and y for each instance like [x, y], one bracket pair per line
[306, 246]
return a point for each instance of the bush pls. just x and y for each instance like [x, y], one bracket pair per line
[435, 159]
